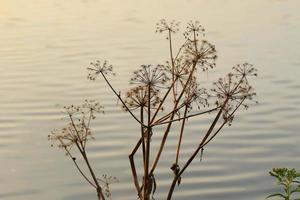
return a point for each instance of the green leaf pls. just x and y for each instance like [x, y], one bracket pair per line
[276, 195]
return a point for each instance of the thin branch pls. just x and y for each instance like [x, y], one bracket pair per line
[132, 166]
[186, 117]
[77, 166]
[163, 100]
[171, 190]
[119, 96]
[170, 123]
[214, 135]
[181, 134]
[172, 62]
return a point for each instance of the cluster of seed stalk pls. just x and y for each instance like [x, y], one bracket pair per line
[165, 94]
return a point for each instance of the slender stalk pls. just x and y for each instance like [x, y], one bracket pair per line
[171, 190]
[132, 166]
[172, 62]
[163, 100]
[181, 134]
[167, 116]
[77, 133]
[171, 118]
[203, 143]
[186, 117]
[77, 166]
[87, 128]
[142, 133]
[146, 192]
[219, 129]
[98, 189]
[119, 97]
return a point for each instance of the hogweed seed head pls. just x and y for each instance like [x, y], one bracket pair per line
[92, 107]
[97, 67]
[244, 70]
[181, 69]
[155, 77]
[194, 28]
[231, 92]
[204, 54]
[195, 96]
[77, 130]
[138, 98]
[163, 26]
[68, 136]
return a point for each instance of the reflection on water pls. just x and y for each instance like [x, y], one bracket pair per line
[47, 45]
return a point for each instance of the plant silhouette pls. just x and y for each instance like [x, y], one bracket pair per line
[161, 96]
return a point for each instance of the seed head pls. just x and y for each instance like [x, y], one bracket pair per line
[138, 98]
[194, 28]
[181, 69]
[244, 70]
[204, 54]
[155, 77]
[163, 26]
[68, 136]
[96, 68]
[194, 95]
[230, 93]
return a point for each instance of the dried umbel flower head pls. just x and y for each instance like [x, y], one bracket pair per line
[92, 107]
[163, 26]
[97, 67]
[138, 98]
[181, 69]
[77, 131]
[148, 75]
[194, 95]
[194, 29]
[203, 53]
[244, 70]
[72, 110]
[232, 92]
[71, 135]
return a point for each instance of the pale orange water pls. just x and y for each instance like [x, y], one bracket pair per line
[45, 47]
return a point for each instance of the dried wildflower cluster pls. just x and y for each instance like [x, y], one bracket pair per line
[97, 68]
[163, 26]
[176, 86]
[232, 92]
[77, 131]
[194, 28]
[154, 77]
[163, 95]
[71, 135]
[194, 95]
[204, 54]
[137, 97]
[75, 134]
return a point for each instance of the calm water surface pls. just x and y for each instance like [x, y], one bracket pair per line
[45, 47]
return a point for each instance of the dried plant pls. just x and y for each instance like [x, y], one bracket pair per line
[76, 134]
[164, 95]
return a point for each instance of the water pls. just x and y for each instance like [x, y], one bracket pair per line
[47, 45]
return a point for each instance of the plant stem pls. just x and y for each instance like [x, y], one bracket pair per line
[119, 97]
[146, 192]
[98, 188]
[181, 134]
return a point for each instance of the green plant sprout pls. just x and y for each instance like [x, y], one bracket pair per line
[289, 179]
